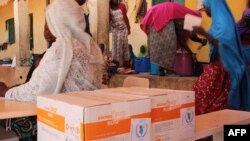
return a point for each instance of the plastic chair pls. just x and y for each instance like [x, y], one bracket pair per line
[132, 81]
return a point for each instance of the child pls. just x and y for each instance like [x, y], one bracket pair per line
[143, 51]
[132, 57]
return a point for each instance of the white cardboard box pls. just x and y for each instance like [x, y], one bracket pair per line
[139, 111]
[173, 112]
[190, 21]
[66, 117]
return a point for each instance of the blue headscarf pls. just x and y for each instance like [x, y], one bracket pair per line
[223, 29]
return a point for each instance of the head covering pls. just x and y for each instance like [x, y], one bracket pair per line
[223, 29]
[161, 14]
[65, 19]
[242, 28]
[66, 22]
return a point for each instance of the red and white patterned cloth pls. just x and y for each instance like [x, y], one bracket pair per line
[211, 89]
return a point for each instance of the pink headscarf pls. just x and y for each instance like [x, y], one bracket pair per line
[161, 14]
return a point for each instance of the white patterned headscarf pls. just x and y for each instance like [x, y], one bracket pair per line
[65, 20]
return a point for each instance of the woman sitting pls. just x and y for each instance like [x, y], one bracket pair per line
[73, 63]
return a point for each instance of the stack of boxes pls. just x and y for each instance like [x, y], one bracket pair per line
[120, 114]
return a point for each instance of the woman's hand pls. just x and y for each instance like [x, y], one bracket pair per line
[3, 89]
[203, 42]
[199, 30]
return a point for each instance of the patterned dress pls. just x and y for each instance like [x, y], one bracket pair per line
[120, 48]
[211, 89]
[162, 46]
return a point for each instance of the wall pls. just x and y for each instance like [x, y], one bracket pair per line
[103, 24]
[37, 7]
[7, 12]
[93, 17]
[137, 36]
[237, 7]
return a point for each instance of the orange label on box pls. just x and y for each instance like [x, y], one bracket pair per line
[188, 105]
[82, 132]
[51, 119]
[105, 129]
[145, 115]
[168, 113]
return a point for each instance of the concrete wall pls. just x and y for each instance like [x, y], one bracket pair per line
[137, 37]
[7, 12]
[37, 7]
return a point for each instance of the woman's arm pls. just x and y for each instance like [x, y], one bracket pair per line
[211, 39]
[195, 38]
[36, 61]
[182, 41]
[4, 88]
[201, 31]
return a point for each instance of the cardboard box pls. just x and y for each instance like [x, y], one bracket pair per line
[85, 118]
[173, 112]
[137, 104]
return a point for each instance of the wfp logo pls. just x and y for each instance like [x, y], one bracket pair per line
[189, 116]
[141, 129]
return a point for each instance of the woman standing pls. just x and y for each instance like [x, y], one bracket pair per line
[120, 32]
[159, 25]
[225, 83]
